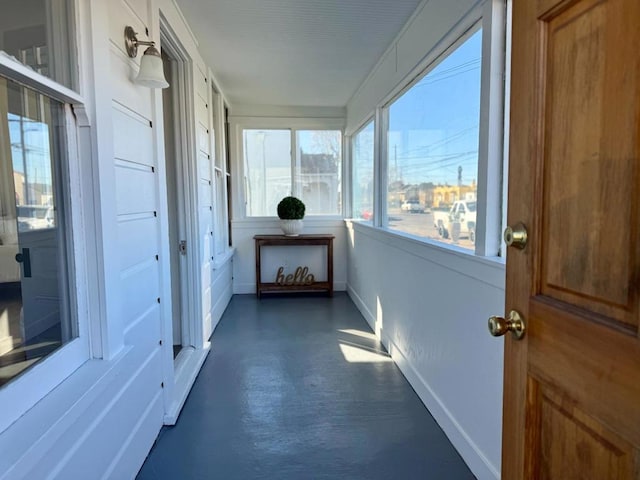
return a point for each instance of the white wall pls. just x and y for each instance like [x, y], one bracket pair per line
[430, 308]
[103, 419]
[429, 304]
[244, 267]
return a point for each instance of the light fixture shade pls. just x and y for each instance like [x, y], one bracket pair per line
[151, 72]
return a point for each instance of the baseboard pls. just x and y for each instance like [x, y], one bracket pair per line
[250, 288]
[468, 450]
[220, 306]
[360, 305]
[190, 362]
[472, 455]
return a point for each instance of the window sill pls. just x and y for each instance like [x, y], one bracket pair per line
[274, 222]
[25, 75]
[224, 258]
[489, 270]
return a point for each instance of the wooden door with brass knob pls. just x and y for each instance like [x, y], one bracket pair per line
[572, 383]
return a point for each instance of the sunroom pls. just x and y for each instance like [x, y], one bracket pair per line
[461, 161]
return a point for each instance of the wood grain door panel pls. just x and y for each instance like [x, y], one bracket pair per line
[572, 385]
[568, 444]
[589, 250]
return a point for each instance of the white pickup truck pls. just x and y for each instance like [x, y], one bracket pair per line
[462, 213]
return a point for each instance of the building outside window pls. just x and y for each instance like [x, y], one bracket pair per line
[314, 173]
[318, 179]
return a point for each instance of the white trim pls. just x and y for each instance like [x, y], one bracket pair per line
[270, 111]
[237, 128]
[490, 16]
[82, 286]
[506, 121]
[346, 176]
[491, 137]
[178, 376]
[29, 388]
[22, 74]
[468, 449]
[489, 270]
[220, 261]
[381, 167]
[187, 366]
[349, 176]
[291, 123]
[261, 223]
[250, 288]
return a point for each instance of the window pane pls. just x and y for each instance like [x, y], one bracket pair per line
[267, 158]
[318, 171]
[37, 34]
[34, 315]
[433, 150]
[362, 158]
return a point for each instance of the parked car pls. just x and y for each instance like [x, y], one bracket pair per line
[462, 213]
[35, 217]
[411, 206]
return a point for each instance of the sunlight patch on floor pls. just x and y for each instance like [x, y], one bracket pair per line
[359, 333]
[353, 353]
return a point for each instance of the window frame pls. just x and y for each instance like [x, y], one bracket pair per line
[282, 123]
[222, 249]
[32, 385]
[492, 17]
[443, 54]
[351, 139]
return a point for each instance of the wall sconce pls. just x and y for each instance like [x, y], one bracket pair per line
[151, 72]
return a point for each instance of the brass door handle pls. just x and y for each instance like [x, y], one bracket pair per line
[498, 326]
[516, 236]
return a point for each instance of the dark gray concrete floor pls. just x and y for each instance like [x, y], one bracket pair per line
[298, 388]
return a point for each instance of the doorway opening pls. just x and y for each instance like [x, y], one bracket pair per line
[176, 180]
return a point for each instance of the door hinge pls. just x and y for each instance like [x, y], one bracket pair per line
[182, 247]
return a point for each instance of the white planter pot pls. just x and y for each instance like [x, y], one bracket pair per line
[291, 228]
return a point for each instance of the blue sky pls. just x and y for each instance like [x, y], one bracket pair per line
[433, 127]
[37, 155]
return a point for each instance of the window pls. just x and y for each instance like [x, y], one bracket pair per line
[44, 280]
[35, 316]
[219, 141]
[318, 171]
[313, 174]
[37, 34]
[362, 159]
[432, 149]
[267, 157]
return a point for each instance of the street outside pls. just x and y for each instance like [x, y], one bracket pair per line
[421, 224]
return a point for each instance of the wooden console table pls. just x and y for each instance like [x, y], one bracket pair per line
[300, 240]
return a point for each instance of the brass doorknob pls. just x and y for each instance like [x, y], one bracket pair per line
[516, 236]
[498, 326]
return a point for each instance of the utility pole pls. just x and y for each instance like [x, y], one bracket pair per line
[395, 162]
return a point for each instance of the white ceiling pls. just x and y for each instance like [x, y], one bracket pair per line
[294, 52]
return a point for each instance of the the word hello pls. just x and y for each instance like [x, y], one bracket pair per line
[300, 277]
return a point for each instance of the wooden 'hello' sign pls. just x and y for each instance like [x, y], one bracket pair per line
[300, 277]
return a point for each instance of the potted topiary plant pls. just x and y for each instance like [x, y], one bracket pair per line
[291, 213]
